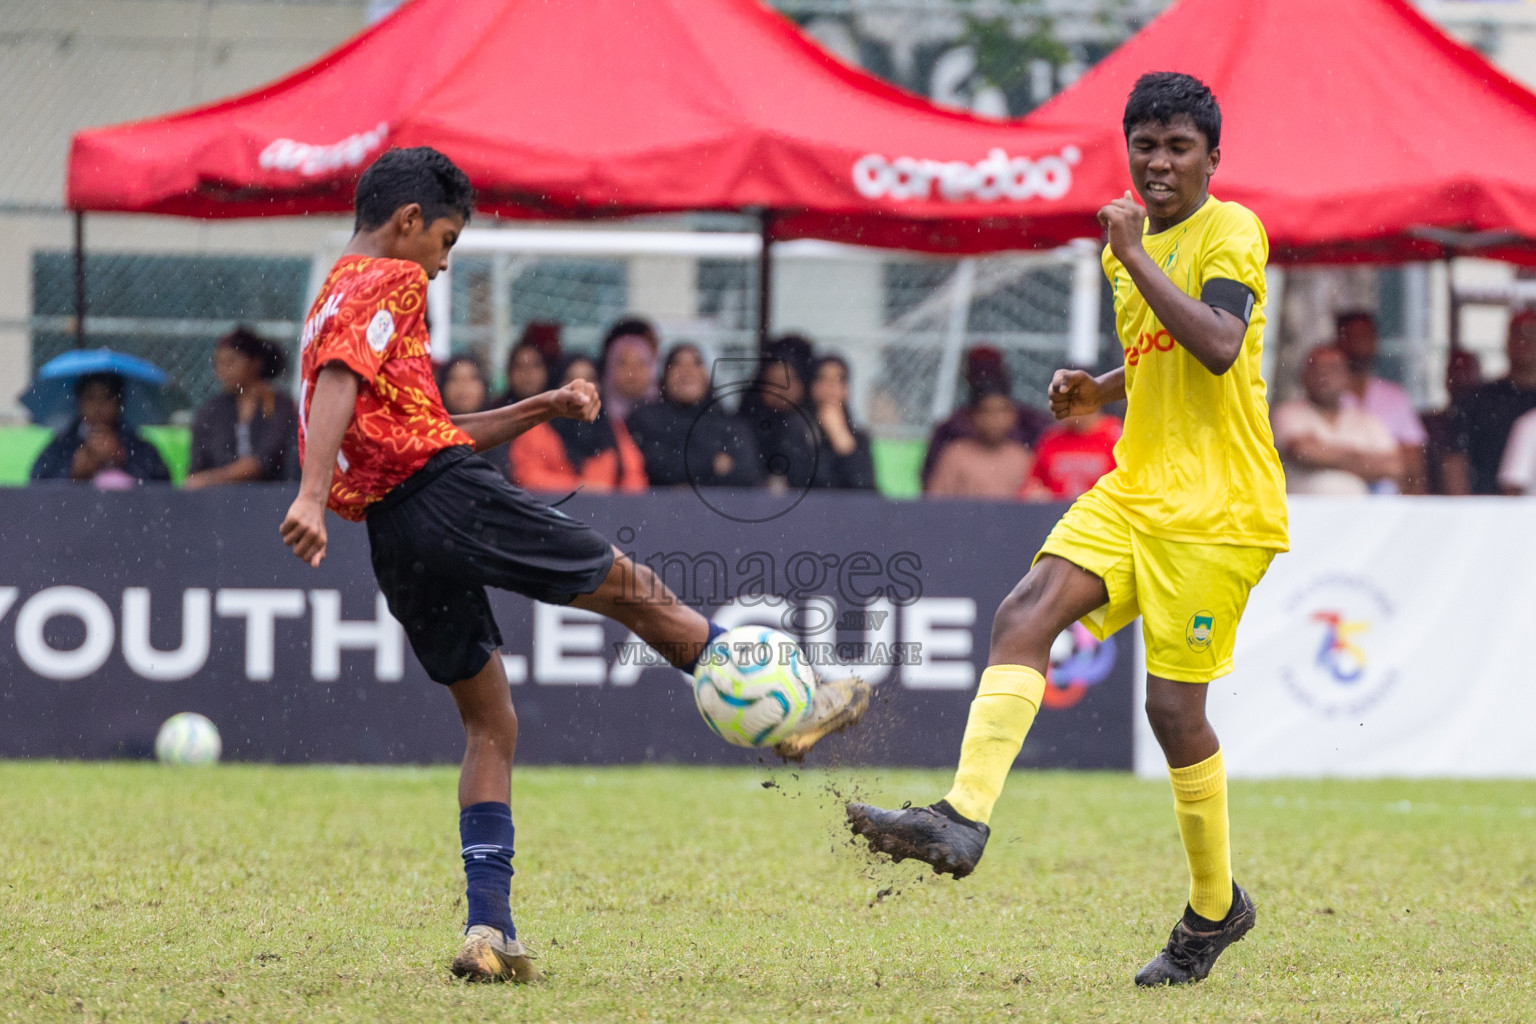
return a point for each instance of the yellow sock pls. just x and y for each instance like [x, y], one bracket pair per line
[1200, 802]
[1001, 714]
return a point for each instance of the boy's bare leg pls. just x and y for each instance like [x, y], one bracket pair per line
[951, 835]
[635, 597]
[490, 735]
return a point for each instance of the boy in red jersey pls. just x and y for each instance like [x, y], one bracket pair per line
[1072, 456]
[443, 523]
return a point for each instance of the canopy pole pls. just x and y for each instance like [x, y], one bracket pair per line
[765, 281]
[79, 279]
[1453, 306]
[962, 289]
[1083, 326]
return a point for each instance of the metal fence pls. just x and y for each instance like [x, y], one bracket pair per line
[169, 309]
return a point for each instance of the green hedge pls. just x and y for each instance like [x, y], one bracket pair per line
[898, 466]
[897, 461]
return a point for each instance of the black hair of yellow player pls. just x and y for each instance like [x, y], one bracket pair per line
[1172, 128]
[1165, 96]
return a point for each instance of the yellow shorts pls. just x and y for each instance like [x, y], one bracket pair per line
[1190, 596]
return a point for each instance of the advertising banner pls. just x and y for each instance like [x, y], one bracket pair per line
[1394, 639]
[120, 609]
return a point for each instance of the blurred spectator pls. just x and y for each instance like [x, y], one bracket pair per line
[990, 464]
[1072, 456]
[1483, 421]
[624, 330]
[843, 459]
[1385, 400]
[773, 409]
[629, 375]
[529, 362]
[1517, 470]
[629, 326]
[797, 351]
[984, 367]
[461, 383]
[249, 431]
[567, 455]
[97, 446]
[686, 436]
[1445, 466]
[1326, 446]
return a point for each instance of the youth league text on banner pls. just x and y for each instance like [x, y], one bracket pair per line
[119, 609]
[1395, 639]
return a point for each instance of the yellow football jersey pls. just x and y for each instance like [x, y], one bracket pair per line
[1197, 461]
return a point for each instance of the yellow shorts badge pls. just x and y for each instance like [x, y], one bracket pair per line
[1198, 633]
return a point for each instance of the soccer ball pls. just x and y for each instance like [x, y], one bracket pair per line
[188, 738]
[753, 686]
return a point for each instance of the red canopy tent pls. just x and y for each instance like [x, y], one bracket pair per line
[1355, 129]
[597, 108]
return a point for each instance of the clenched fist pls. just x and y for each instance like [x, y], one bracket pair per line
[1074, 393]
[577, 400]
[1123, 219]
[303, 530]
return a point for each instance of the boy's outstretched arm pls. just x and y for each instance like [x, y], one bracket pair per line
[577, 400]
[1213, 336]
[330, 414]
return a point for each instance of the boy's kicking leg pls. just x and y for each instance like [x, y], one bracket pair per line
[951, 834]
[491, 951]
[1219, 911]
[635, 597]
[433, 555]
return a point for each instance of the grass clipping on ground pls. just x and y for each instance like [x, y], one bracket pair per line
[131, 892]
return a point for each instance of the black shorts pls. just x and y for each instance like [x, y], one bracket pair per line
[457, 526]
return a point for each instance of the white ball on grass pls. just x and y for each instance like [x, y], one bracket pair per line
[188, 738]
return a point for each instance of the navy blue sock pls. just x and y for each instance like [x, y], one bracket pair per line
[715, 629]
[486, 833]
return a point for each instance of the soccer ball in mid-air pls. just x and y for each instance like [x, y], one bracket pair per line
[188, 738]
[753, 686]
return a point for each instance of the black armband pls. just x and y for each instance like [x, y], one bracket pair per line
[1233, 296]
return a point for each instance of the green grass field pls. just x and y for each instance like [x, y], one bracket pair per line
[130, 892]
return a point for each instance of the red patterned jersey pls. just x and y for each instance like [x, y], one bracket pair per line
[370, 317]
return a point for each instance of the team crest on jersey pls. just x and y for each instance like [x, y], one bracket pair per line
[380, 330]
[1198, 633]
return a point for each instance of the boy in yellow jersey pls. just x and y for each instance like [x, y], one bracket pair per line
[1178, 533]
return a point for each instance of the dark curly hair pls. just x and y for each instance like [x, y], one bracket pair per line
[1162, 96]
[400, 177]
[269, 354]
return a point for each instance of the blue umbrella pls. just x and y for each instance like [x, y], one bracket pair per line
[51, 398]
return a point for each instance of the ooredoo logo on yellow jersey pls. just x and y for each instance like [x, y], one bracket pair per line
[1149, 341]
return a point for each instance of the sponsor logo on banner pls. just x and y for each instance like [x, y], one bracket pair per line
[995, 177]
[1335, 665]
[313, 161]
[1078, 661]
